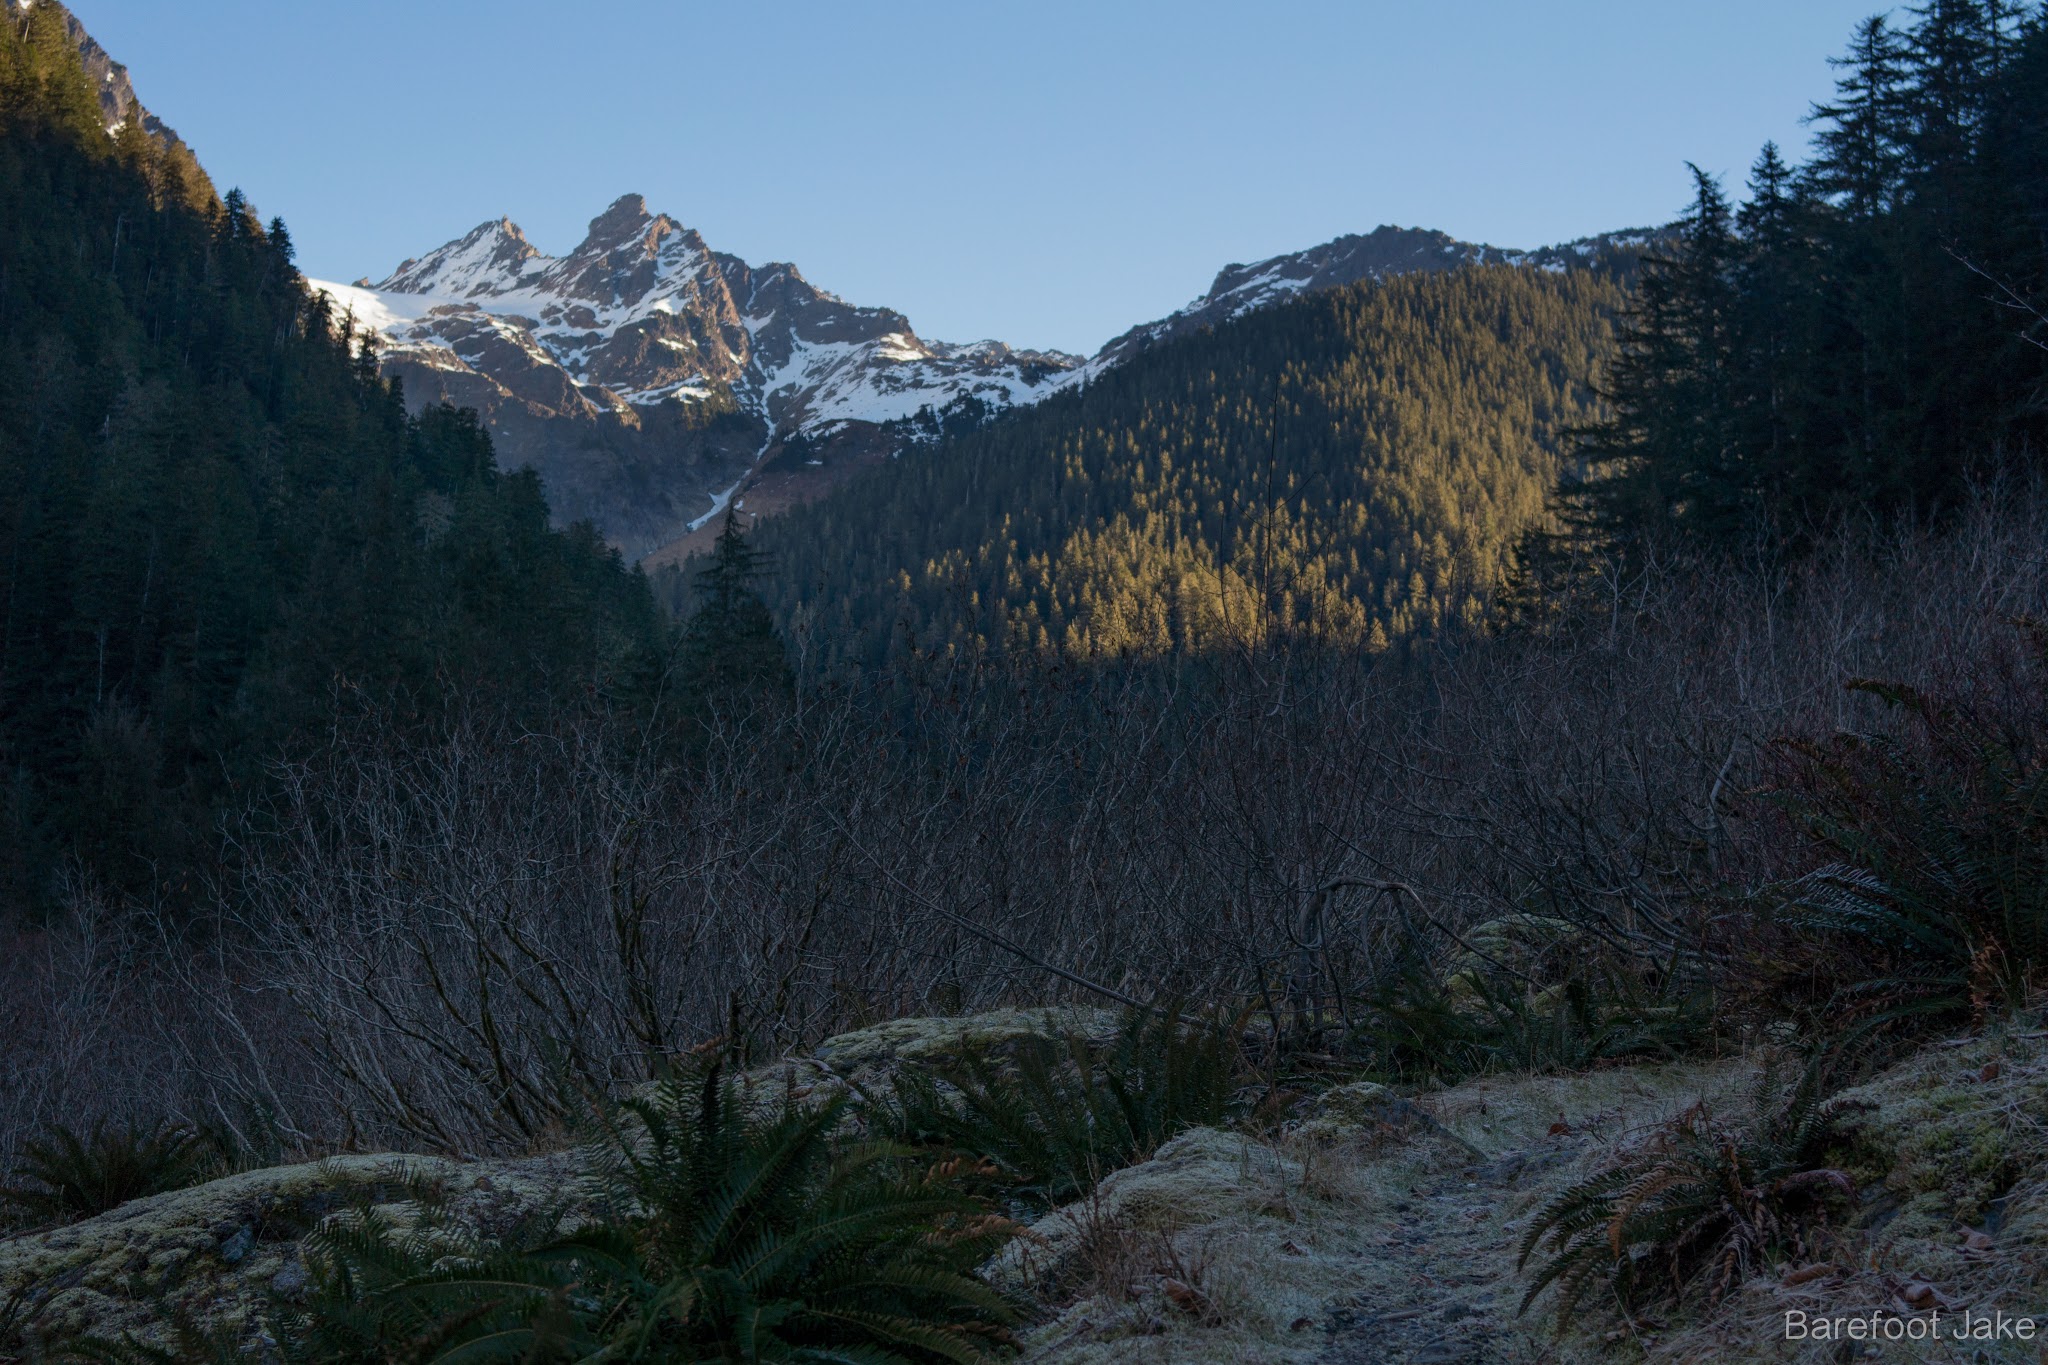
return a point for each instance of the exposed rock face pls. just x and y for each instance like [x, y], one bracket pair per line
[117, 93]
[219, 1251]
[644, 373]
[923, 1040]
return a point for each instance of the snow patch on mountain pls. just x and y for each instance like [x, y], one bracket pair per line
[1377, 255]
[643, 312]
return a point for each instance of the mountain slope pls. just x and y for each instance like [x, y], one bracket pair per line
[122, 113]
[643, 373]
[649, 378]
[1350, 467]
[218, 532]
[1377, 255]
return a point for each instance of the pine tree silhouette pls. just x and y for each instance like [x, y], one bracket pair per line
[729, 647]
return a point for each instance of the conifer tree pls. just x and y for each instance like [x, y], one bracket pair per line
[1861, 148]
[1774, 305]
[1668, 458]
[1860, 340]
[729, 647]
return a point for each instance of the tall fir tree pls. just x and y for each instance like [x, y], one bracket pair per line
[1667, 459]
[730, 651]
[1862, 142]
[1858, 342]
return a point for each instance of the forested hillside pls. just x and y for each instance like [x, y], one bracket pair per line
[1351, 468]
[1863, 335]
[217, 526]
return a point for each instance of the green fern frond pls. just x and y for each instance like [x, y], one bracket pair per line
[66, 1174]
[1056, 1115]
[1697, 1208]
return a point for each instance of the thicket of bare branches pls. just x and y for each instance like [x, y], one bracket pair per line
[455, 944]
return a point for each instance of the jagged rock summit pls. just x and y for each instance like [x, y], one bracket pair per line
[632, 348]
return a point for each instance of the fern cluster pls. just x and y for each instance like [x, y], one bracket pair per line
[1420, 1025]
[1698, 1208]
[1056, 1115]
[1933, 899]
[758, 1239]
[67, 1174]
[715, 1228]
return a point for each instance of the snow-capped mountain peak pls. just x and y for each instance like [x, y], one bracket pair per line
[639, 327]
[479, 263]
[644, 312]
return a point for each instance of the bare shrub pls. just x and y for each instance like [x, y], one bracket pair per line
[464, 942]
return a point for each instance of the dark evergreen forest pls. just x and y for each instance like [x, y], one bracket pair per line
[218, 527]
[1862, 335]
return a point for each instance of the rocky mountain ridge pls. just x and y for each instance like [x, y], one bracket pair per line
[648, 377]
[646, 353]
[1376, 255]
[118, 100]
[644, 311]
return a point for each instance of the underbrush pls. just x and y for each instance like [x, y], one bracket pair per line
[1490, 1015]
[1614, 864]
[1702, 1205]
[714, 1228]
[1054, 1116]
[1930, 906]
[1922, 905]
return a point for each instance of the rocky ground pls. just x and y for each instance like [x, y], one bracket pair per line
[1384, 1229]
[1372, 1226]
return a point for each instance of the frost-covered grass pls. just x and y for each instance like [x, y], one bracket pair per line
[1372, 1208]
[1354, 1236]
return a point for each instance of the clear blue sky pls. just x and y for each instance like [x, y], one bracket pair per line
[1046, 173]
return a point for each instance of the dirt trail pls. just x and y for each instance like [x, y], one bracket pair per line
[1383, 1231]
[1440, 1264]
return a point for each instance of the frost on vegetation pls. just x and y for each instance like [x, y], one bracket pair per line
[1377, 1224]
[1950, 1149]
[218, 1251]
[1216, 1248]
